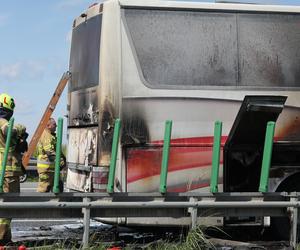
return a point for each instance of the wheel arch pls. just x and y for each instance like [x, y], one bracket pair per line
[288, 183]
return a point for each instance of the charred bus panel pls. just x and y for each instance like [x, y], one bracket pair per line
[192, 63]
[83, 118]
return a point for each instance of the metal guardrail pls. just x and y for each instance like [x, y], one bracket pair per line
[163, 204]
[193, 205]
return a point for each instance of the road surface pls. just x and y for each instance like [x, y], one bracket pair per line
[48, 228]
[28, 187]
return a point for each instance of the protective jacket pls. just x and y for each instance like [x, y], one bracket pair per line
[46, 152]
[13, 165]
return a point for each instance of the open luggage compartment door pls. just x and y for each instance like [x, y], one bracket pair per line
[243, 149]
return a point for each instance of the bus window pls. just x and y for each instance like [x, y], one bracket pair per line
[184, 48]
[85, 49]
[269, 46]
[196, 49]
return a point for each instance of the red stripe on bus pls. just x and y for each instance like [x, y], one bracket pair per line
[193, 141]
[148, 175]
[185, 188]
[185, 153]
[146, 162]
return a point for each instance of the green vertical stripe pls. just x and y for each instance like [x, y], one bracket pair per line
[165, 157]
[267, 156]
[57, 156]
[114, 154]
[216, 157]
[6, 151]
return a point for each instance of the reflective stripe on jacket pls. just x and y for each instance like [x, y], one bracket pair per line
[46, 164]
[46, 148]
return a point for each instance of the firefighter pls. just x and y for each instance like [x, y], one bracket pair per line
[14, 160]
[46, 158]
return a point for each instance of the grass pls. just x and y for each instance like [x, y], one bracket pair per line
[195, 239]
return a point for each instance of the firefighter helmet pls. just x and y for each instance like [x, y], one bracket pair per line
[6, 101]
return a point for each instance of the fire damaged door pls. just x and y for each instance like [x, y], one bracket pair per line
[243, 150]
[82, 139]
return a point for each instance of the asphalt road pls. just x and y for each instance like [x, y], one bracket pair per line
[28, 187]
[32, 230]
[38, 228]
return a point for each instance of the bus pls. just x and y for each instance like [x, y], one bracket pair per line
[146, 62]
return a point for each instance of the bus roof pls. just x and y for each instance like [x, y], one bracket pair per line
[162, 4]
[210, 6]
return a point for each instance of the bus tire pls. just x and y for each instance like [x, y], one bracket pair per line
[281, 225]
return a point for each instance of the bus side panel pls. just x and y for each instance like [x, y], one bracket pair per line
[192, 137]
[144, 118]
[109, 92]
[189, 168]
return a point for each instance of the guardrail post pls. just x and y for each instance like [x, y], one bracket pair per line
[293, 222]
[216, 157]
[266, 162]
[114, 153]
[165, 157]
[194, 213]
[6, 151]
[86, 224]
[57, 156]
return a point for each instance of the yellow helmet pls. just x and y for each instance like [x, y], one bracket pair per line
[6, 101]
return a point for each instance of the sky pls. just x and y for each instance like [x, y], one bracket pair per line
[35, 39]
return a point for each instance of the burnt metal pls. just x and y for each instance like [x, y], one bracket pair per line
[135, 130]
[83, 108]
[244, 147]
[79, 167]
[286, 153]
[106, 128]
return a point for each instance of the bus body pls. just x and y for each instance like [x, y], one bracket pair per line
[193, 63]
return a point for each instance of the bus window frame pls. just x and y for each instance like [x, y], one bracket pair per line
[198, 87]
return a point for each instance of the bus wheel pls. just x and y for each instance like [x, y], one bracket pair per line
[281, 225]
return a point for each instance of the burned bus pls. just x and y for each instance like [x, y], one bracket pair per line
[193, 63]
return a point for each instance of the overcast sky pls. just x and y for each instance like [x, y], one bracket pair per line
[35, 44]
